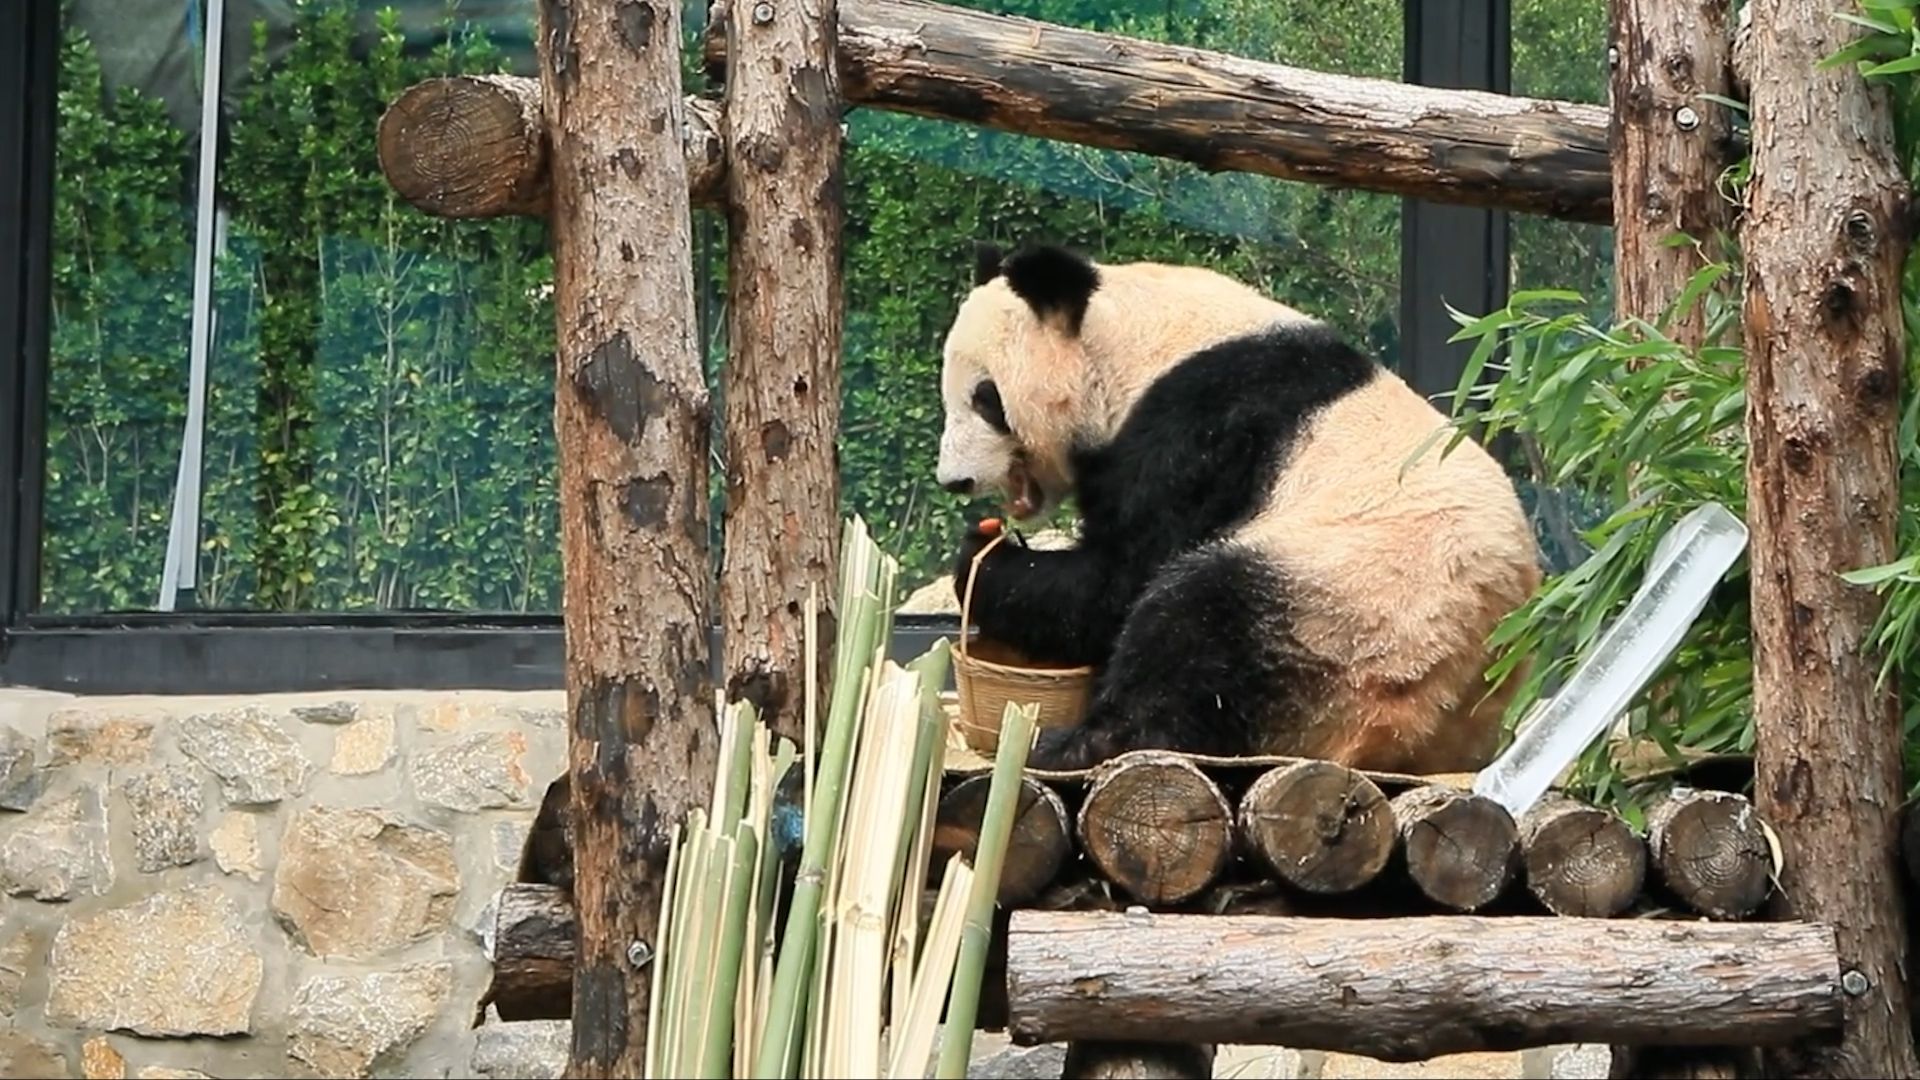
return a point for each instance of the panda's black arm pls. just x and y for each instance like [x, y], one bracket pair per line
[1062, 607]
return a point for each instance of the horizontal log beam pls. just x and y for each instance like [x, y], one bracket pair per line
[1220, 112]
[475, 146]
[535, 940]
[1408, 989]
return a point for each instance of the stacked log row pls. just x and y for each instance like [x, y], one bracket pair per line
[1156, 830]
[1308, 838]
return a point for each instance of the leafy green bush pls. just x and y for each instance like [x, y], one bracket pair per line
[1645, 430]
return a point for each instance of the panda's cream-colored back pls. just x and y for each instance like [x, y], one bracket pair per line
[1405, 567]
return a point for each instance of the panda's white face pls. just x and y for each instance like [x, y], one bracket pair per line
[980, 451]
[1024, 378]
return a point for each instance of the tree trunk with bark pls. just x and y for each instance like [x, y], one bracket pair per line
[1668, 146]
[1824, 240]
[782, 376]
[631, 417]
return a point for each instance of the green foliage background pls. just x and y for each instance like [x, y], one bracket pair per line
[378, 428]
[1640, 430]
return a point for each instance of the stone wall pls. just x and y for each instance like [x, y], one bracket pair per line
[302, 885]
[285, 886]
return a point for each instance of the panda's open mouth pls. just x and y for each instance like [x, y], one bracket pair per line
[1025, 497]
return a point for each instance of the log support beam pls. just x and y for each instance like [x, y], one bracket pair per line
[1407, 989]
[474, 146]
[784, 203]
[1221, 112]
[631, 419]
[1824, 241]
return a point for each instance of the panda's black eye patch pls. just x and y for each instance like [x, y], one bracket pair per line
[986, 402]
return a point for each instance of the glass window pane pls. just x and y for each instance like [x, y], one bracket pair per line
[378, 385]
[1560, 52]
[378, 408]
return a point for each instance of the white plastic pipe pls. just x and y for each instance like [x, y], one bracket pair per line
[1687, 564]
[183, 534]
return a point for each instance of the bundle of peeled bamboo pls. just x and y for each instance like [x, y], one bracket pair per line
[852, 984]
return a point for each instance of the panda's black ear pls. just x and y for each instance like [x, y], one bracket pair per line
[986, 262]
[1054, 282]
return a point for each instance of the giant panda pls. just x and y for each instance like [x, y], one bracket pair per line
[1263, 566]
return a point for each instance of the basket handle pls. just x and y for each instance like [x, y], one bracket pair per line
[973, 575]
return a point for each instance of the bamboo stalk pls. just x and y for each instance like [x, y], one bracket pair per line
[1017, 729]
[813, 1048]
[726, 969]
[857, 631]
[736, 763]
[749, 1014]
[931, 666]
[711, 865]
[838, 991]
[909, 874]
[687, 897]
[915, 1026]
[769, 903]
[810, 732]
[743, 993]
[873, 874]
[656, 1019]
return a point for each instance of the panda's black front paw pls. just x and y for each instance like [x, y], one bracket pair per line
[978, 537]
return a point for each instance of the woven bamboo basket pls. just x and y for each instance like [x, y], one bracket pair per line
[989, 675]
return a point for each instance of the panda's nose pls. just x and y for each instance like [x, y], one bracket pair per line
[959, 487]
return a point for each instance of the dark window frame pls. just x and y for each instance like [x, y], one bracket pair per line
[1461, 43]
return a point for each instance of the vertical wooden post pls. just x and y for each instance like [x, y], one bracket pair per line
[782, 385]
[1825, 239]
[1668, 146]
[631, 416]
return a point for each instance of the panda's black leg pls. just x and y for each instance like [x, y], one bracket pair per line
[1201, 665]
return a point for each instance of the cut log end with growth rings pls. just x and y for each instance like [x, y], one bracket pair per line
[1712, 852]
[1461, 850]
[534, 953]
[1581, 860]
[1040, 845]
[468, 146]
[1156, 826]
[1319, 826]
